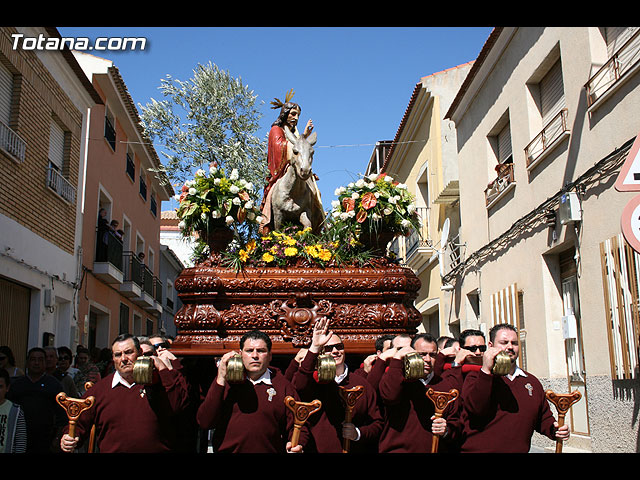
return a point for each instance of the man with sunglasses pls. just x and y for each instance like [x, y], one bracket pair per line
[328, 427]
[410, 421]
[501, 412]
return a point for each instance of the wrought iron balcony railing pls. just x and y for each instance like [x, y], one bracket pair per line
[11, 143]
[552, 131]
[501, 184]
[60, 185]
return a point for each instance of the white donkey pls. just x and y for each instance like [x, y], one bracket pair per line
[295, 197]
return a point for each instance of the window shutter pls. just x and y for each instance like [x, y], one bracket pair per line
[504, 144]
[552, 93]
[56, 146]
[6, 89]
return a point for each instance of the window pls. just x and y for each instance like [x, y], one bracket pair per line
[110, 128]
[154, 205]
[500, 142]
[143, 188]
[170, 296]
[131, 166]
[124, 318]
[57, 158]
[10, 141]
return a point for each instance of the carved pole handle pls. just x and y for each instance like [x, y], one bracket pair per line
[350, 397]
[301, 412]
[441, 401]
[563, 402]
[74, 408]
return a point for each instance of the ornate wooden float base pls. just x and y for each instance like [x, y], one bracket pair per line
[362, 303]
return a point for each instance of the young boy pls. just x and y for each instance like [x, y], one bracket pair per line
[13, 429]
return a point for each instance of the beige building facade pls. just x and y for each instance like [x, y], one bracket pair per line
[423, 156]
[544, 121]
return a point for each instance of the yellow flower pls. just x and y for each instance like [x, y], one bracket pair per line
[325, 254]
[267, 257]
[311, 250]
[251, 246]
[290, 251]
[288, 241]
[244, 255]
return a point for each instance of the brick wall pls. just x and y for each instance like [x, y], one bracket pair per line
[38, 98]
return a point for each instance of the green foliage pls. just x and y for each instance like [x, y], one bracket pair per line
[210, 119]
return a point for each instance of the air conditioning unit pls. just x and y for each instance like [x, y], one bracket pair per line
[569, 209]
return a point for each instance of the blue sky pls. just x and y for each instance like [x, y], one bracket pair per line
[353, 82]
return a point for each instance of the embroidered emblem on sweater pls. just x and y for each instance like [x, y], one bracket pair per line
[271, 393]
[529, 388]
[142, 392]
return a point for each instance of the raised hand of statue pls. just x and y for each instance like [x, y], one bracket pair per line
[321, 335]
[308, 128]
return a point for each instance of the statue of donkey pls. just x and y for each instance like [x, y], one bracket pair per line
[295, 197]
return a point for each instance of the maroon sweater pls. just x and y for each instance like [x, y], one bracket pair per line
[326, 425]
[246, 419]
[130, 422]
[408, 411]
[500, 415]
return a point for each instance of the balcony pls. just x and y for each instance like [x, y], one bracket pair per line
[504, 182]
[146, 298]
[131, 286]
[614, 72]
[547, 139]
[157, 296]
[60, 185]
[12, 144]
[108, 261]
[417, 248]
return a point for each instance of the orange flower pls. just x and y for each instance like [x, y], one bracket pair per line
[369, 200]
[361, 216]
[348, 204]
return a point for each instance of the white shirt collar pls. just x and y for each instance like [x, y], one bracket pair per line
[118, 379]
[518, 371]
[427, 379]
[264, 378]
[342, 376]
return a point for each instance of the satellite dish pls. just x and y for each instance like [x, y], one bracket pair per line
[444, 238]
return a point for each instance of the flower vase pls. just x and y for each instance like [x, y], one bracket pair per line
[218, 238]
[377, 242]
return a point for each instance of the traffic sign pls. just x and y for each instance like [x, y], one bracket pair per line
[630, 223]
[629, 177]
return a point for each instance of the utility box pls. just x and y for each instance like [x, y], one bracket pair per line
[569, 209]
[569, 327]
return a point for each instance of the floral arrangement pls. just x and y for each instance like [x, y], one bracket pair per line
[215, 200]
[375, 203]
[281, 248]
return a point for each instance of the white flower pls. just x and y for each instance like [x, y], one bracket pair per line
[192, 191]
[360, 183]
[234, 189]
[397, 197]
[373, 177]
[355, 195]
[234, 174]
[215, 213]
[188, 183]
[237, 201]
[339, 191]
[176, 198]
[335, 204]
[181, 225]
[249, 205]
[249, 186]
[259, 219]
[213, 170]
[335, 213]
[351, 185]
[200, 173]
[216, 181]
[371, 185]
[228, 220]
[402, 186]
[405, 223]
[251, 216]
[376, 194]
[242, 182]
[344, 216]
[375, 216]
[387, 211]
[393, 200]
[352, 214]
[203, 216]
[411, 208]
[388, 179]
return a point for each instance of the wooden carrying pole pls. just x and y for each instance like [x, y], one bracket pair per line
[563, 402]
[350, 397]
[441, 401]
[301, 412]
[74, 408]
[92, 436]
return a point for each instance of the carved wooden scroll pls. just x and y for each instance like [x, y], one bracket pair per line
[441, 401]
[350, 396]
[563, 402]
[301, 413]
[74, 408]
